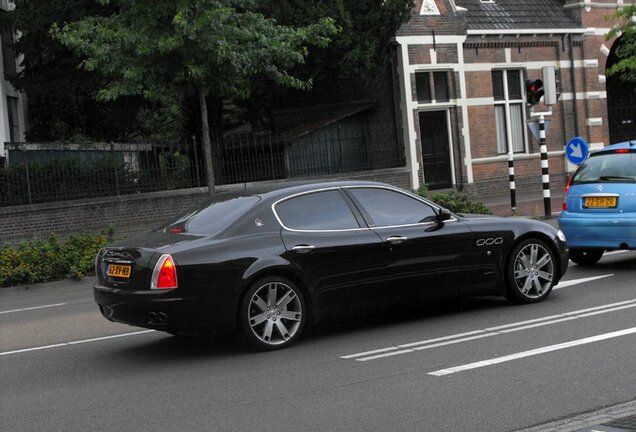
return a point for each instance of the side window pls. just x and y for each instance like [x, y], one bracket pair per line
[317, 211]
[387, 207]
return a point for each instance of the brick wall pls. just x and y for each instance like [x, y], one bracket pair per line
[130, 214]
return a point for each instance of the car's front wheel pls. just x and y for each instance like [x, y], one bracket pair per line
[531, 271]
[273, 313]
[586, 257]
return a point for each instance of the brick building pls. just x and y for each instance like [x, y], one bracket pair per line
[462, 66]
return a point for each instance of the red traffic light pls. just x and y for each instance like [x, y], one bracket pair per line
[534, 91]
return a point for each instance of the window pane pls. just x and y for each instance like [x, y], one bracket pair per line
[516, 127]
[441, 86]
[213, 216]
[388, 207]
[317, 211]
[423, 86]
[514, 85]
[500, 126]
[497, 85]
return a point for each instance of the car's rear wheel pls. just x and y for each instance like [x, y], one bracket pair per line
[586, 257]
[273, 313]
[531, 271]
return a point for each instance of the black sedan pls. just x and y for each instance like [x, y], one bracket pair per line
[270, 262]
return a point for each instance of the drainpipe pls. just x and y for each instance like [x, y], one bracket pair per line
[573, 84]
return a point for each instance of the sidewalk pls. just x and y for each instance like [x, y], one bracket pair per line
[529, 204]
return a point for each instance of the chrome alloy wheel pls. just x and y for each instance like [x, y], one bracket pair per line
[533, 271]
[275, 313]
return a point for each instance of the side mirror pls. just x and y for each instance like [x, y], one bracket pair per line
[443, 215]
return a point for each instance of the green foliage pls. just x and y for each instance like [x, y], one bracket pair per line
[626, 48]
[455, 202]
[51, 259]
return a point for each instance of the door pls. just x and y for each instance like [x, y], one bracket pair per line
[426, 257]
[435, 149]
[341, 262]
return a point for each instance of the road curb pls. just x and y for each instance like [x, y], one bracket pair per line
[593, 418]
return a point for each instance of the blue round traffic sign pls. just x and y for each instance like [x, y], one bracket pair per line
[577, 150]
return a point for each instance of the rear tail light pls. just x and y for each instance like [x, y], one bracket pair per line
[623, 150]
[164, 276]
[565, 193]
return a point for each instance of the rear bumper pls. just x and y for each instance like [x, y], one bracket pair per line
[600, 231]
[160, 310]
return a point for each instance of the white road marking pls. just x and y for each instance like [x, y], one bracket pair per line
[33, 308]
[615, 252]
[533, 352]
[490, 331]
[74, 342]
[569, 283]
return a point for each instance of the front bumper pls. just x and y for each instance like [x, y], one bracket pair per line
[599, 230]
[160, 310]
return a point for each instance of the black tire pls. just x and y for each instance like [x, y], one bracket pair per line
[586, 257]
[273, 324]
[530, 272]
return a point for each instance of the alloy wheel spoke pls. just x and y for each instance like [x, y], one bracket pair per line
[545, 259]
[545, 275]
[289, 296]
[282, 329]
[534, 250]
[522, 273]
[290, 315]
[271, 294]
[267, 331]
[526, 285]
[258, 319]
[525, 261]
[537, 285]
[260, 303]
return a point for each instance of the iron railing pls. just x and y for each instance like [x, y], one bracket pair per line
[36, 173]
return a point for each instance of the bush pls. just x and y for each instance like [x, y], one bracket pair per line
[51, 259]
[455, 202]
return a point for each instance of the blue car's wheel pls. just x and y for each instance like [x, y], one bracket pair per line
[586, 257]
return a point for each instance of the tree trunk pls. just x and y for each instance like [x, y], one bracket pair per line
[205, 137]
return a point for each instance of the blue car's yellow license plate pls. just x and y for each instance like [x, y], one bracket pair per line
[599, 202]
[117, 270]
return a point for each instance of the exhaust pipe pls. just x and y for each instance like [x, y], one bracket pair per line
[157, 318]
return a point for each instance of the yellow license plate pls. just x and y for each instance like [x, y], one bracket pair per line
[599, 202]
[121, 271]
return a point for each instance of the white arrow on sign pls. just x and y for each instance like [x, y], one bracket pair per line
[576, 150]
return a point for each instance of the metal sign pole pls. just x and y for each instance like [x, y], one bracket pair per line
[545, 175]
[511, 177]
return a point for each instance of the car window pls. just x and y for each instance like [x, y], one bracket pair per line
[610, 167]
[211, 217]
[387, 207]
[325, 210]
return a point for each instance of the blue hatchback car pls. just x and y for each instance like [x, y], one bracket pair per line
[599, 208]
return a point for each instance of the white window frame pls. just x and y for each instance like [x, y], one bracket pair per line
[507, 102]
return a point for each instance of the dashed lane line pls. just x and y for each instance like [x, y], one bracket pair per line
[32, 308]
[533, 352]
[63, 344]
[488, 332]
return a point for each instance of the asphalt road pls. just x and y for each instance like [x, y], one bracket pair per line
[478, 365]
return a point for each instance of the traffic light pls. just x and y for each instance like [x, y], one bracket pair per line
[534, 91]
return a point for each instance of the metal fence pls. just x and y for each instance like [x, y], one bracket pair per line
[36, 173]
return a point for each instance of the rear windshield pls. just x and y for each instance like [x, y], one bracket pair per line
[607, 168]
[211, 217]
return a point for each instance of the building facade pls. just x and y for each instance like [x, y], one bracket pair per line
[13, 105]
[463, 65]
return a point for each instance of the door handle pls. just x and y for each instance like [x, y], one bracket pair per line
[303, 248]
[396, 239]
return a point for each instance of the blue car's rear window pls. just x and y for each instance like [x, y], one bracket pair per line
[609, 167]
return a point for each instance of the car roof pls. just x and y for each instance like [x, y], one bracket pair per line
[624, 145]
[280, 190]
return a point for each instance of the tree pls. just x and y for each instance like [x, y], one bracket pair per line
[164, 49]
[626, 49]
[61, 96]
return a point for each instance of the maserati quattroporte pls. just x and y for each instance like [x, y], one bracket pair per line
[267, 263]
